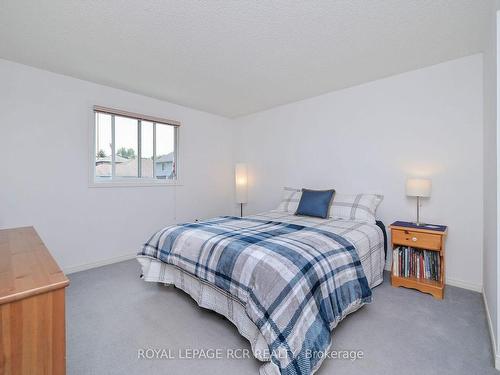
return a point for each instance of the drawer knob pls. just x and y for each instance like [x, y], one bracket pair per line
[414, 239]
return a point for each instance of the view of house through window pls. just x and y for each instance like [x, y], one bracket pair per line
[128, 148]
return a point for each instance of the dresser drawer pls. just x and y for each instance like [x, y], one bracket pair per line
[416, 239]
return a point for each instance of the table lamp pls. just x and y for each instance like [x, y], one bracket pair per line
[420, 188]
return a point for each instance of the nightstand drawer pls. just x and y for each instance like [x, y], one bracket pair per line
[416, 239]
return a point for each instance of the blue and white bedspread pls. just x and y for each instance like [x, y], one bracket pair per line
[295, 281]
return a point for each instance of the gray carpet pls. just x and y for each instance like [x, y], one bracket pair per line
[111, 314]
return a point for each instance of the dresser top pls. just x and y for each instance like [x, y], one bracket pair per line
[26, 266]
[419, 228]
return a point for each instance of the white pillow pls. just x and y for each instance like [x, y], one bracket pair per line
[290, 200]
[356, 207]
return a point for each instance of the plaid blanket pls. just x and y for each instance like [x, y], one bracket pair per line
[296, 282]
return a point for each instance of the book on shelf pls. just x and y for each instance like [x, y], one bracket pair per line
[418, 263]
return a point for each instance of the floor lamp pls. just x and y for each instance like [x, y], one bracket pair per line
[241, 181]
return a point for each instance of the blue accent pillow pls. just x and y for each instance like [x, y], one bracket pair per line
[315, 203]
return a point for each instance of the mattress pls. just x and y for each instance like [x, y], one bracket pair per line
[367, 239]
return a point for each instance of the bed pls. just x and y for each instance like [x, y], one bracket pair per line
[284, 281]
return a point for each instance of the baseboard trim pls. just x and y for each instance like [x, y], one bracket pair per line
[100, 263]
[464, 285]
[492, 336]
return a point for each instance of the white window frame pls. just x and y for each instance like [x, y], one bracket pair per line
[115, 181]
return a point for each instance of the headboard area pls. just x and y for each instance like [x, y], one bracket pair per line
[382, 226]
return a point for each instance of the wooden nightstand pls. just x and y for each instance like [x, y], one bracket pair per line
[418, 257]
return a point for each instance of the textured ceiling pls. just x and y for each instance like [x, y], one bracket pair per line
[237, 57]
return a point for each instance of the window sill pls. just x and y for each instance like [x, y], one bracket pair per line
[121, 184]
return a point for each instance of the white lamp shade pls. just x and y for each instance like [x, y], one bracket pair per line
[241, 180]
[418, 187]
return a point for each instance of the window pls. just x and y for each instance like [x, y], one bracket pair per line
[134, 148]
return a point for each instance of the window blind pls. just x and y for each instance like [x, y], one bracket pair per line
[135, 116]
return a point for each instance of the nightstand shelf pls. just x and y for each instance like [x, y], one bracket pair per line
[420, 239]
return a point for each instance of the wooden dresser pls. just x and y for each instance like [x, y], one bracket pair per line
[32, 321]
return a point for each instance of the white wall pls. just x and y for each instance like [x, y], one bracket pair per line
[369, 138]
[45, 121]
[490, 254]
